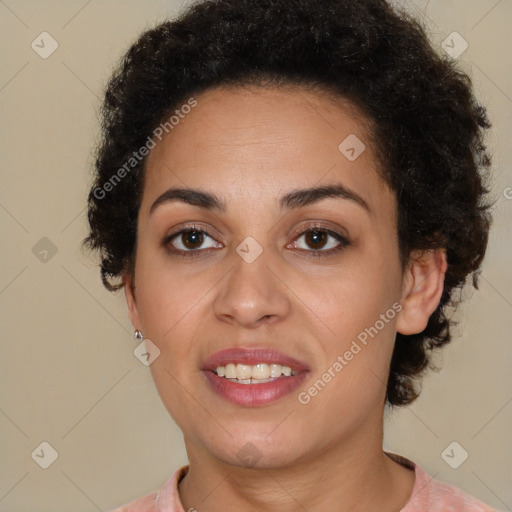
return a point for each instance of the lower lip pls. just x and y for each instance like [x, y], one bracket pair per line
[251, 395]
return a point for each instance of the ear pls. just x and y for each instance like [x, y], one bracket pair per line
[131, 303]
[422, 289]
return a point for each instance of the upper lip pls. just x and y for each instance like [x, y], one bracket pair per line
[252, 356]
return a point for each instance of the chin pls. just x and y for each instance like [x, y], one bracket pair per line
[254, 451]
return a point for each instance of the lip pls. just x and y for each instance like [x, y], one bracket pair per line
[251, 395]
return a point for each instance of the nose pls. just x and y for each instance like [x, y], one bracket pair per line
[252, 294]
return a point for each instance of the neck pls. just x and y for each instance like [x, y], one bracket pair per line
[353, 475]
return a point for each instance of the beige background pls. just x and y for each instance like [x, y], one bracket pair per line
[69, 377]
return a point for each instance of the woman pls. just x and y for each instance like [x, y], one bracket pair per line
[289, 193]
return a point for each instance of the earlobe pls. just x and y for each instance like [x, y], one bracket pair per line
[422, 290]
[131, 303]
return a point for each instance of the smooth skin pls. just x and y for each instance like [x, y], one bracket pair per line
[249, 146]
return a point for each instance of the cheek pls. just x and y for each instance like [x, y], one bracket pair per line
[171, 314]
[167, 299]
[352, 386]
[354, 300]
[360, 311]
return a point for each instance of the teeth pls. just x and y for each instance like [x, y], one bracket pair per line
[261, 372]
[243, 371]
[275, 370]
[230, 372]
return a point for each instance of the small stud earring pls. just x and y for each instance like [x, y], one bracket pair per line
[138, 335]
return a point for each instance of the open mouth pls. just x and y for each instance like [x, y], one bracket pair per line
[259, 373]
[251, 377]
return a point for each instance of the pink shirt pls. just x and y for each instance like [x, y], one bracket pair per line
[428, 495]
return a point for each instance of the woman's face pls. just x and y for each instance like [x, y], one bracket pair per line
[252, 278]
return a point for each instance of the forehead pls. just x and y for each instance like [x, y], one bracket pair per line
[268, 142]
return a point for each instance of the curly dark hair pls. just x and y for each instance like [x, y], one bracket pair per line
[428, 128]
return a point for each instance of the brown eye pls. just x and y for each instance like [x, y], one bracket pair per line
[192, 239]
[316, 239]
[189, 242]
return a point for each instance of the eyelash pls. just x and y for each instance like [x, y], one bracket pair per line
[314, 253]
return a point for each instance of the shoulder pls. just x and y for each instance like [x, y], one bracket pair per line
[166, 498]
[145, 503]
[433, 495]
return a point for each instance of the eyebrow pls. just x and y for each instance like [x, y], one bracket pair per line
[294, 199]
